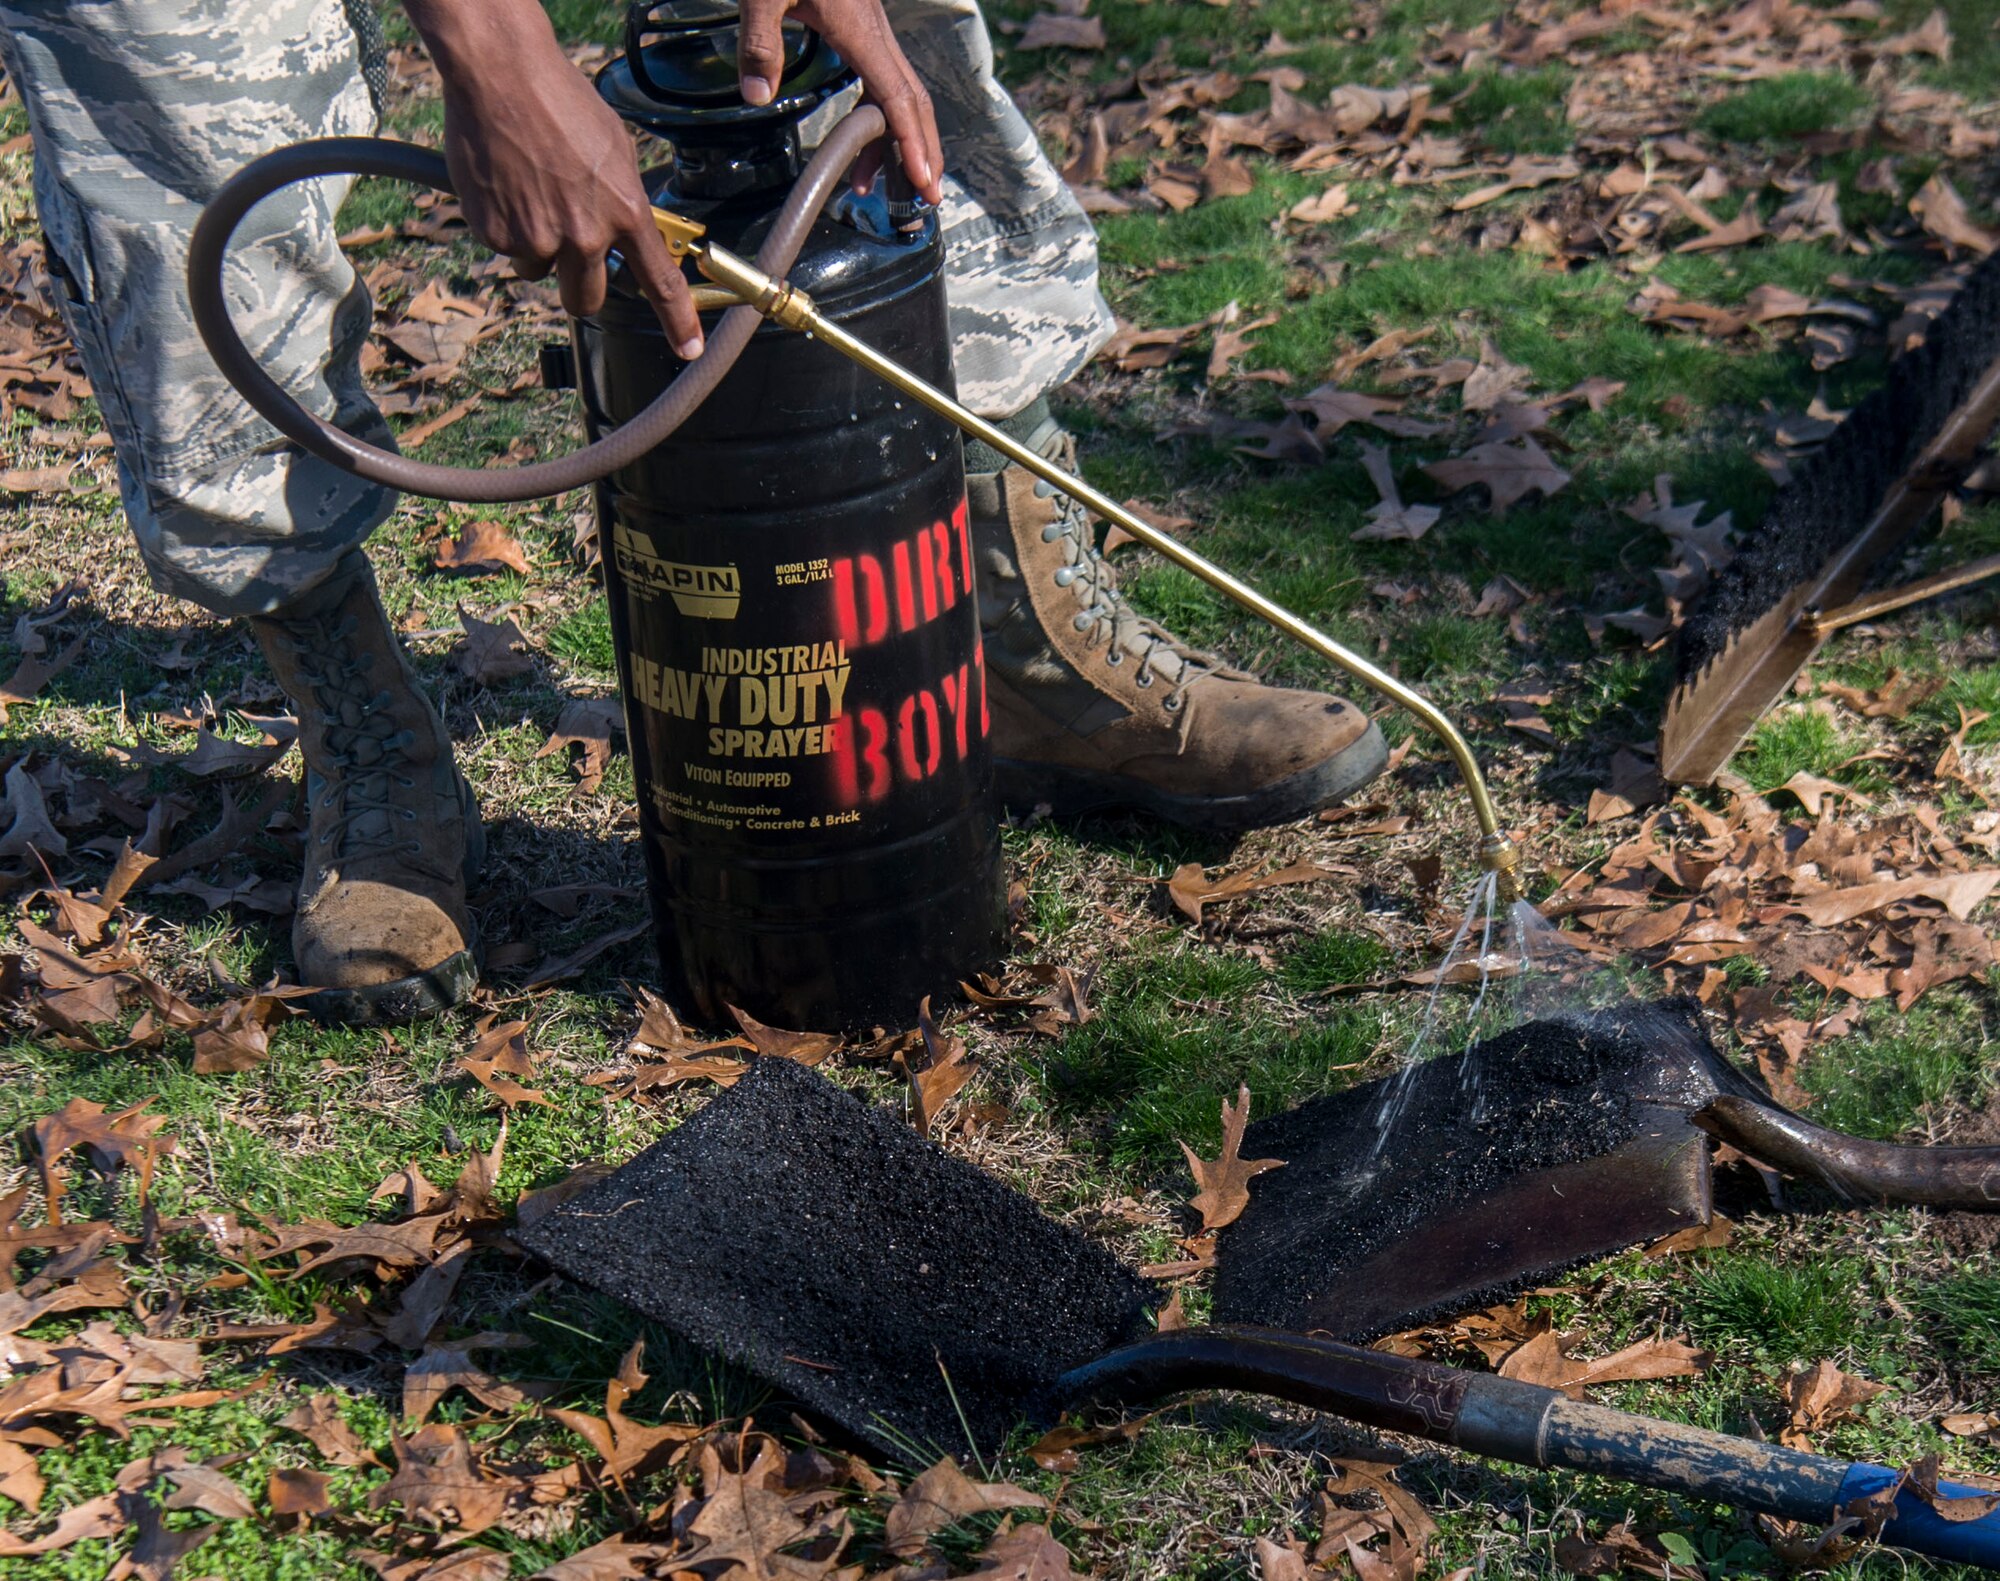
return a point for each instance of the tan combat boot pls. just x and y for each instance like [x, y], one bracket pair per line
[1094, 706]
[394, 834]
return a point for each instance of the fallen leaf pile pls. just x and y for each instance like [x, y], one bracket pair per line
[1865, 907]
[1369, 1526]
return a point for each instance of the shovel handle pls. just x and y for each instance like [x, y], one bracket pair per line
[1860, 1170]
[1522, 1423]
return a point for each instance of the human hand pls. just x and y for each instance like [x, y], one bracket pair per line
[859, 30]
[545, 170]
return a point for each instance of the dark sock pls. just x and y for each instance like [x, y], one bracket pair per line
[1024, 425]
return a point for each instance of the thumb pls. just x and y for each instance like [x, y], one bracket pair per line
[760, 49]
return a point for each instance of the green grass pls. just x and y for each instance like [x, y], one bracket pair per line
[1967, 1307]
[1801, 740]
[1896, 1070]
[1785, 108]
[584, 638]
[1776, 1312]
[1335, 957]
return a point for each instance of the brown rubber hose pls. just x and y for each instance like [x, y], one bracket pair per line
[374, 156]
[1863, 1171]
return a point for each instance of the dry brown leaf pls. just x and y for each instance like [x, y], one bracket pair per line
[128, 1138]
[1545, 1360]
[943, 1496]
[1522, 174]
[615, 1559]
[1931, 37]
[439, 1480]
[1389, 519]
[319, 1421]
[1707, 1237]
[492, 650]
[1191, 889]
[1619, 1551]
[102, 1516]
[947, 1068]
[1053, 30]
[298, 1491]
[1820, 1397]
[808, 1048]
[587, 723]
[1921, 1479]
[1942, 213]
[1224, 1182]
[413, 438]
[1958, 893]
[627, 1448]
[483, 548]
[1893, 699]
[498, 1057]
[1056, 1450]
[1508, 472]
[1493, 381]
[1023, 1553]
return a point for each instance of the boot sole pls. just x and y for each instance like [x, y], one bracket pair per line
[423, 994]
[1070, 793]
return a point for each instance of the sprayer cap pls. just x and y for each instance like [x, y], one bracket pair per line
[678, 76]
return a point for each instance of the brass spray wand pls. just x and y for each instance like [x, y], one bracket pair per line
[736, 280]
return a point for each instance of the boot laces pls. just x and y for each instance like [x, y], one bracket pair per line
[357, 812]
[1106, 618]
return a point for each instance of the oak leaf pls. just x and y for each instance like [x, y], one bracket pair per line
[438, 1480]
[627, 1448]
[586, 722]
[1023, 1553]
[318, 1420]
[1545, 1360]
[482, 548]
[808, 1048]
[943, 1496]
[129, 1137]
[493, 650]
[500, 1055]
[1191, 888]
[1822, 1396]
[1224, 1181]
[1507, 471]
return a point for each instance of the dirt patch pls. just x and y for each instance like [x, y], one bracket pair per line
[819, 1242]
[1974, 1236]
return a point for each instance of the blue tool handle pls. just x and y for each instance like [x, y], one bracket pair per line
[1920, 1528]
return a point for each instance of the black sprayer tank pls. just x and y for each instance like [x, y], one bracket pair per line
[791, 587]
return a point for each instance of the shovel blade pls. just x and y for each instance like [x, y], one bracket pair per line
[1550, 1146]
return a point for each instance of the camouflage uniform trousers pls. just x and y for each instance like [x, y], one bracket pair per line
[142, 108]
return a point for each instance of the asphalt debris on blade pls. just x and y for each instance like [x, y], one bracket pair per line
[822, 1244]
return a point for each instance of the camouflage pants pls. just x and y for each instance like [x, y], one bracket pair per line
[140, 108]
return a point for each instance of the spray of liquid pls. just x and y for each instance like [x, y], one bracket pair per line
[1515, 964]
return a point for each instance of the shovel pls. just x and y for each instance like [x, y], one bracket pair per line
[1459, 1182]
[917, 1303]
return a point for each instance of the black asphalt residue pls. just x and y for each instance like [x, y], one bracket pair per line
[1548, 1094]
[820, 1243]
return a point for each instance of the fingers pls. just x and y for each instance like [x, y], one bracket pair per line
[580, 280]
[893, 86]
[867, 166]
[760, 49]
[659, 278]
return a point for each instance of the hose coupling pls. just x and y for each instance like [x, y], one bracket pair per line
[774, 299]
[1501, 857]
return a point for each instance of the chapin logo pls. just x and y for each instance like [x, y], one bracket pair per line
[706, 592]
